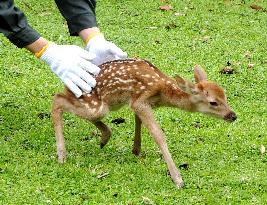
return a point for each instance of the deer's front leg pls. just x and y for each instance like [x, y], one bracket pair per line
[137, 136]
[105, 132]
[145, 113]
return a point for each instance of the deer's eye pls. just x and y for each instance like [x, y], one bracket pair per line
[214, 103]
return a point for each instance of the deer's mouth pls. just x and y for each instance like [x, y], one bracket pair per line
[230, 117]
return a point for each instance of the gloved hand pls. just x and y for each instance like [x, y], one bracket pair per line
[72, 65]
[104, 50]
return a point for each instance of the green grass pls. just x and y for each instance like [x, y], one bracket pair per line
[225, 164]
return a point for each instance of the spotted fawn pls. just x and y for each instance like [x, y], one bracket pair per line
[140, 85]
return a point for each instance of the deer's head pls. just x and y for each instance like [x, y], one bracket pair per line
[207, 97]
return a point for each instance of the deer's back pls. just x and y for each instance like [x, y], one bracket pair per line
[123, 80]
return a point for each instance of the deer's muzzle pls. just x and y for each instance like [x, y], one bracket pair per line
[230, 117]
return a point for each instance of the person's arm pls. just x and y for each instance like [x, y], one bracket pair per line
[79, 14]
[37, 45]
[81, 20]
[70, 63]
[14, 25]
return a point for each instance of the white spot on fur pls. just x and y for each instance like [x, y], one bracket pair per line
[118, 72]
[94, 102]
[86, 105]
[135, 67]
[147, 76]
[125, 81]
[143, 87]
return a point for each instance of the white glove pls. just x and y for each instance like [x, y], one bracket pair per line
[104, 50]
[71, 64]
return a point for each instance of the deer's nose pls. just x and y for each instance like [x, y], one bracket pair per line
[231, 116]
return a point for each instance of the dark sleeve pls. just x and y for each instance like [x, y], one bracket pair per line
[14, 25]
[79, 14]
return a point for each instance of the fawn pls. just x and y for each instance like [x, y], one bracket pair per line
[142, 86]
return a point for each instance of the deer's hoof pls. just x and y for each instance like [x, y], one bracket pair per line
[62, 156]
[180, 184]
[61, 160]
[136, 151]
[102, 145]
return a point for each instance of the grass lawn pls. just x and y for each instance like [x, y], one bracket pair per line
[225, 165]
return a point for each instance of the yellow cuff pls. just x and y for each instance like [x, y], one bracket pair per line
[92, 35]
[40, 53]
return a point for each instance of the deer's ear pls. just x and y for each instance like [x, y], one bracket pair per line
[185, 85]
[200, 74]
[200, 87]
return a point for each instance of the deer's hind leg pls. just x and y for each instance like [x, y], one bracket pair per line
[60, 104]
[64, 103]
[105, 132]
[137, 136]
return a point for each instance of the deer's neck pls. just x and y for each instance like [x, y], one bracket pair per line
[173, 96]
